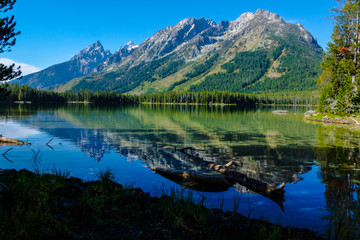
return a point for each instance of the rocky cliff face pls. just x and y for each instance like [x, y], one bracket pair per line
[117, 57]
[79, 65]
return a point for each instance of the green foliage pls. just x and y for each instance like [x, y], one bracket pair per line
[169, 68]
[26, 93]
[245, 73]
[106, 175]
[45, 206]
[250, 62]
[340, 78]
[60, 173]
[249, 67]
[299, 68]
[184, 80]
[202, 67]
[126, 79]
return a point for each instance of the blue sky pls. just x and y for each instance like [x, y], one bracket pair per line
[55, 30]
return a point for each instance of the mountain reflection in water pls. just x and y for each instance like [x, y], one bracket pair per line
[320, 164]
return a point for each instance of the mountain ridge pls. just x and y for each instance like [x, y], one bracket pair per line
[190, 54]
[79, 65]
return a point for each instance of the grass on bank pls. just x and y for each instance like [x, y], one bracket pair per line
[56, 206]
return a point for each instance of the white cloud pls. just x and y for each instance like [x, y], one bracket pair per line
[15, 130]
[25, 68]
[293, 20]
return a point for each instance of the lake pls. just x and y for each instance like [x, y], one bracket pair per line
[320, 164]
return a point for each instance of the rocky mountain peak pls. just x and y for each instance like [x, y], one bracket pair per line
[306, 34]
[118, 56]
[130, 46]
[186, 21]
[245, 16]
[90, 57]
[268, 15]
[93, 50]
[196, 21]
[169, 38]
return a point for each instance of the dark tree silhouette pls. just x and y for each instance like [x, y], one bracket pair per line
[7, 40]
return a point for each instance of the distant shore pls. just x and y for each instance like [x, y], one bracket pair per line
[191, 104]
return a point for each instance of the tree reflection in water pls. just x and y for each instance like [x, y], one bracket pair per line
[338, 155]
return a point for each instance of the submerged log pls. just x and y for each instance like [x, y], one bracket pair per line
[195, 181]
[11, 141]
[270, 191]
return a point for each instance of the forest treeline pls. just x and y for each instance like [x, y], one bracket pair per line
[15, 92]
[205, 98]
[224, 97]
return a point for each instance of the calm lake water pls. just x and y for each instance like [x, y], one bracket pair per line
[320, 164]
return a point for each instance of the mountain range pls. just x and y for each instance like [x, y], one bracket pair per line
[255, 53]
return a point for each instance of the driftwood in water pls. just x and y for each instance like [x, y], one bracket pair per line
[195, 181]
[10, 141]
[270, 191]
[280, 112]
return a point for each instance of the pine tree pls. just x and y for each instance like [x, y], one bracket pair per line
[7, 40]
[340, 79]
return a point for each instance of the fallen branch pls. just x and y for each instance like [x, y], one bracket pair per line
[7, 159]
[196, 181]
[4, 155]
[6, 151]
[50, 147]
[49, 141]
[12, 141]
[270, 191]
[47, 144]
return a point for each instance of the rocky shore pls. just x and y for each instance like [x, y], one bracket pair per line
[56, 206]
[353, 120]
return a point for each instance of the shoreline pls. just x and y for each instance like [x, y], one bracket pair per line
[58, 206]
[192, 104]
[346, 120]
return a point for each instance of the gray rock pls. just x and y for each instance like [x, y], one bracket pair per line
[325, 118]
[309, 113]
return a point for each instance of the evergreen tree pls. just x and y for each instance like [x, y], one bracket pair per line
[7, 40]
[340, 79]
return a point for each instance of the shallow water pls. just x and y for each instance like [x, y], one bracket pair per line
[320, 164]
